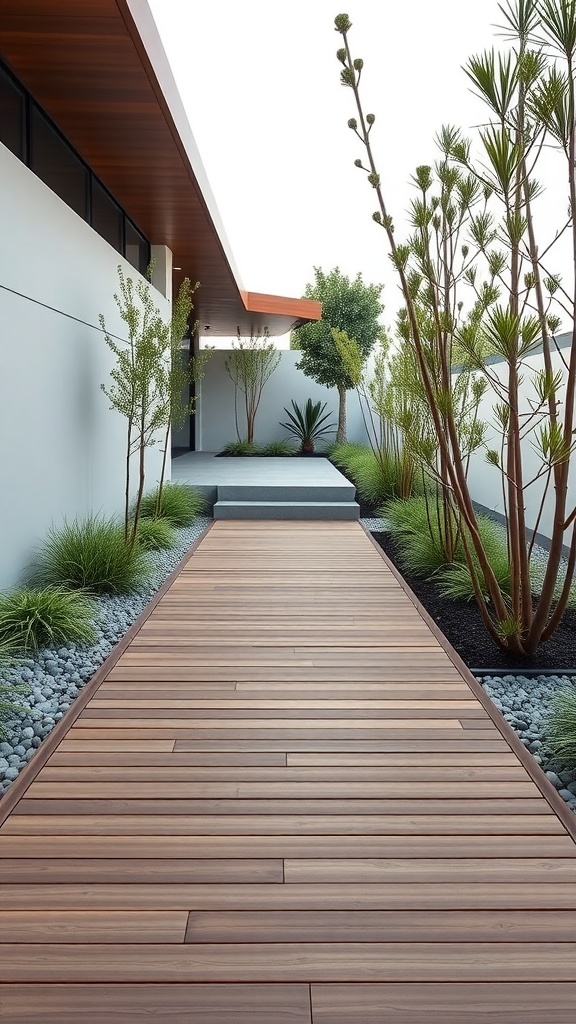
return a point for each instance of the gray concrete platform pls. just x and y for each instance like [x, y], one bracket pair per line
[275, 487]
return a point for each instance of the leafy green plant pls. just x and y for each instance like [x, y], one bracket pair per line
[155, 534]
[30, 619]
[278, 448]
[561, 729]
[417, 526]
[138, 390]
[180, 504]
[518, 300]
[308, 424]
[241, 448]
[347, 305]
[342, 453]
[92, 554]
[250, 365]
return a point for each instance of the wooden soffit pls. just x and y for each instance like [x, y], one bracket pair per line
[99, 70]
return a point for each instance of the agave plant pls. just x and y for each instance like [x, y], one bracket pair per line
[308, 424]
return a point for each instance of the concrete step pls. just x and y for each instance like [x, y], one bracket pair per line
[335, 510]
[287, 492]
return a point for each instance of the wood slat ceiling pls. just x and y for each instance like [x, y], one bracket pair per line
[99, 70]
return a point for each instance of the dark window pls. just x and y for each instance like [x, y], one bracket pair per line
[12, 105]
[137, 249]
[55, 162]
[106, 216]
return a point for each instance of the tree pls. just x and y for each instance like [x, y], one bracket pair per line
[250, 365]
[530, 92]
[349, 306]
[135, 391]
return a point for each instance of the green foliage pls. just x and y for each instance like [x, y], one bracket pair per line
[308, 424]
[241, 448]
[92, 554]
[180, 504]
[347, 305]
[250, 365]
[155, 534]
[30, 619]
[377, 475]
[139, 391]
[561, 729]
[278, 448]
[418, 525]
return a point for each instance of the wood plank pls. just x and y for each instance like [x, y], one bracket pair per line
[445, 1003]
[93, 926]
[166, 773]
[91, 871]
[273, 962]
[170, 806]
[539, 872]
[282, 824]
[394, 895]
[132, 1004]
[555, 851]
[71, 758]
[281, 790]
[381, 926]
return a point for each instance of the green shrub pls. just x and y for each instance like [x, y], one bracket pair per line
[91, 554]
[342, 454]
[279, 448]
[561, 729]
[245, 448]
[416, 527]
[180, 505]
[308, 424]
[30, 619]
[155, 535]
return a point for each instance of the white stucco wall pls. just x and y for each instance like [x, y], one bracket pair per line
[485, 480]
[61, 448]
[215, 422]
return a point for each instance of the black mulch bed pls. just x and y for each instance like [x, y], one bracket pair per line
[264, 455]
[461, 624]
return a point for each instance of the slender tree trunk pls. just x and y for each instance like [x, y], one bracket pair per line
[341, 432]
[163, 472]
[127, 489]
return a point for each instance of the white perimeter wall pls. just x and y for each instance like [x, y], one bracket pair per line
[485, 480]
[61, 448]
[215, 424]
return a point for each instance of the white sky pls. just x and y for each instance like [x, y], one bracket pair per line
[260, 83]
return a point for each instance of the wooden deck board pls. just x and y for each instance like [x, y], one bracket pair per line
[285, 804]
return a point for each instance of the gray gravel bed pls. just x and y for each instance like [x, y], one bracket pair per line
[56, 676]
[525, 703]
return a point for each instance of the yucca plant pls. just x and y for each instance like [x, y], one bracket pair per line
[308, 424]
[92, 554]
[31, 618]
[561, 729]
[180, 504]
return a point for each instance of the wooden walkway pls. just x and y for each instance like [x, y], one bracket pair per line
[284, 804]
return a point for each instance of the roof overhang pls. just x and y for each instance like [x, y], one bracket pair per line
[99, 70]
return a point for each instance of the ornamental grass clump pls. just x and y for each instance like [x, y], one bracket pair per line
[241, 448]
[92, 554]
[280, 449]
[156, 535]
[180, 505]
[31, 619]
[417, 527]
[561, 729]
